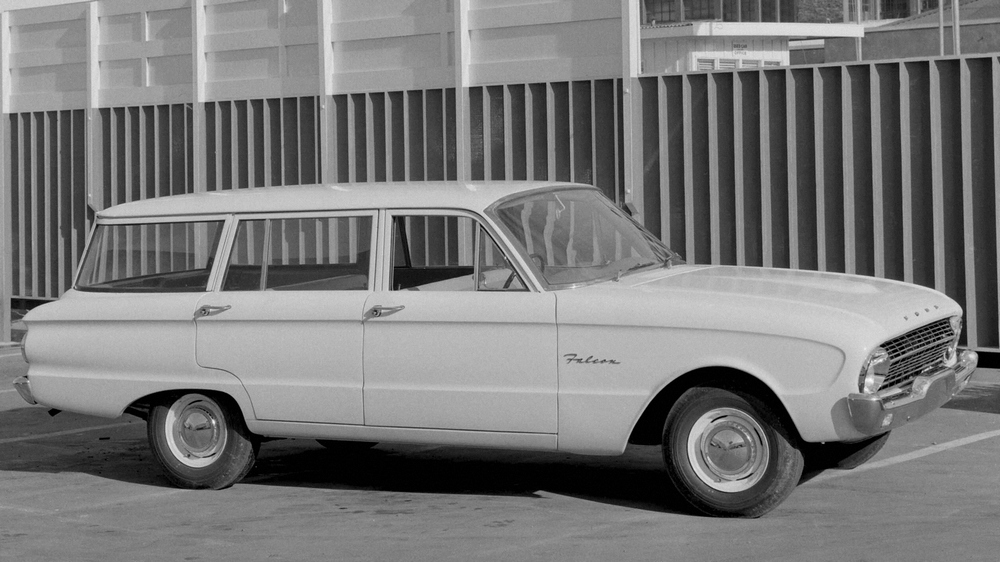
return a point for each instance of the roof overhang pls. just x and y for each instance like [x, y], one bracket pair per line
[752, 29]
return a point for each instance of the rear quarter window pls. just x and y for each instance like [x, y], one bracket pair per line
[150, 258]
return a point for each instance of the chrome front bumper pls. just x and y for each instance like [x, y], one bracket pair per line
[23, 387]
[873, 414]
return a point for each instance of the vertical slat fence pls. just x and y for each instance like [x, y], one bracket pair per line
[886, 168]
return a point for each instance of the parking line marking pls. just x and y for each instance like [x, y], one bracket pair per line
[831, 474]
[60, 433]
[91, 506]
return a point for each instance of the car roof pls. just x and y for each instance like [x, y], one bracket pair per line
[472, 196]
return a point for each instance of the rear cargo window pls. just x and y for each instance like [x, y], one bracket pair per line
[150, 258]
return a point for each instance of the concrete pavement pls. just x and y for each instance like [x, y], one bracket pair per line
[81, 488]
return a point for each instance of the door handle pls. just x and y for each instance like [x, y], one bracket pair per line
[379, 311]
[209, 310]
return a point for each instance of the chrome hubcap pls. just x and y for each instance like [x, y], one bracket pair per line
[195, 430]
[728, 450]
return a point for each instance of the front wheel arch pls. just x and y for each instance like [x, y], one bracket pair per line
[648, 430]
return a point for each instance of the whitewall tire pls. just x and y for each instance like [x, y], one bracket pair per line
[729, 453]
[200, 441]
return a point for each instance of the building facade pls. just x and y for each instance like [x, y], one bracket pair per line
[926, 33]
[692, 35]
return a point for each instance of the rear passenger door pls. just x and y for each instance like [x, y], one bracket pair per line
[286, 315]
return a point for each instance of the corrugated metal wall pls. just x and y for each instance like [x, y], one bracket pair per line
[567, 131]
[45, 167]
[885, 169]
[393, 136]
[144, 152]
[261, 143]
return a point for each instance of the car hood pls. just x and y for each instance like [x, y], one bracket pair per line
[855, 293]
[778, 301]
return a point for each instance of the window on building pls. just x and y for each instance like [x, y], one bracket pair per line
[893, 9]
[887, 9]
[699, 10]
[662, 11]
[748, 10]
[726, 10]
[775, 10]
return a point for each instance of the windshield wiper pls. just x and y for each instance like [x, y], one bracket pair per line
[668, 263]
[639, 265]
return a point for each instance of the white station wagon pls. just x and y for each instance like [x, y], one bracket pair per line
[532, 316]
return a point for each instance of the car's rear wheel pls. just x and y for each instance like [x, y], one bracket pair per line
[200, 441]
[728, 453]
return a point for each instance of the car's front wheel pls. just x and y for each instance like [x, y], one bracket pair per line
[200, 441]
[728, 453]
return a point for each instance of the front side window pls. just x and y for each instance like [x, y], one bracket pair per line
[578, 236]
[495, 272]
[301, 254]
[150, 258]
[448, 253]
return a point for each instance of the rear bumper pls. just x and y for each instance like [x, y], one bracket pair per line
[873, 414]
[23, 387]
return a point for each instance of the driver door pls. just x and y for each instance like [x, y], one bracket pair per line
[454, 339]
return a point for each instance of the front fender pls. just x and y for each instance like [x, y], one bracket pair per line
[600, 403]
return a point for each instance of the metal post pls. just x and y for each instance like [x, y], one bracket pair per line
[956, 34]
[857, 41]
[95, 193]
[462, 56]
[632, 130]
[941, 25]
[6, 279]
[199, 79]
[324, 17]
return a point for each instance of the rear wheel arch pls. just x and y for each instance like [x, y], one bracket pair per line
[141, 407]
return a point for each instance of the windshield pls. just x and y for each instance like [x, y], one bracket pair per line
[577, 236]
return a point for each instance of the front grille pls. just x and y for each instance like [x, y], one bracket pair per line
[914, 352]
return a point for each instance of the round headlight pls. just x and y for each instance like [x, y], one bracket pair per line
[874, 371]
